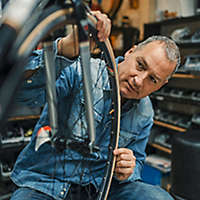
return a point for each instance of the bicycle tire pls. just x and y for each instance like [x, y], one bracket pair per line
[62, 16]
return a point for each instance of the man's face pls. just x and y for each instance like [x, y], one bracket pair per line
[144, 71]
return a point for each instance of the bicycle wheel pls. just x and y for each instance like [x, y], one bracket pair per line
[75, 130]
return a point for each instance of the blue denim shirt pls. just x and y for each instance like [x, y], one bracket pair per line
[35, 169]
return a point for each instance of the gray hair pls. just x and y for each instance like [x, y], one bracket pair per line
[171, 49]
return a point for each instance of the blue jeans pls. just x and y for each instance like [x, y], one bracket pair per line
[125, 191]
[137, 190]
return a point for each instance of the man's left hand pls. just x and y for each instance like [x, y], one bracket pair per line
[103, 25]
[125, 163]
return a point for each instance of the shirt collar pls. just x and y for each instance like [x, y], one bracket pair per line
[130, 103]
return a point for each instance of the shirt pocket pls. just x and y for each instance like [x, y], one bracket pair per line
[96, 112]
[126, 137]
[100, 105]
[31, 97]
[77, 121]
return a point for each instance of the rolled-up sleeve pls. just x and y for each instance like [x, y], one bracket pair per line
[32, 90]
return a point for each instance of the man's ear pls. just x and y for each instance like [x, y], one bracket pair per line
[131, 50]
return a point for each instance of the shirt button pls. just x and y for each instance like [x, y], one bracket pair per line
[29, 81]
[64, 189]
[62, 193]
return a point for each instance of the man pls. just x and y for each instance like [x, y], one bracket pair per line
[144, 69]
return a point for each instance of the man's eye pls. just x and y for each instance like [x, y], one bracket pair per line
[140, 65]
[153, 79]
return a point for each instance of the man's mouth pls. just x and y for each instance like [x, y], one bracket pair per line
[131, 88]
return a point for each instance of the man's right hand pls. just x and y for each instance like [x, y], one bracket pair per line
[68, 46]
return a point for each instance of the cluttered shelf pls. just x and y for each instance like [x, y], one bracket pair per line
[170, 126]
[24, 117]
[188, 76]
[189, 45]
[177, 97]
[159, 147]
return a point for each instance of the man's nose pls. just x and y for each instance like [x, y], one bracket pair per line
[139, 79]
